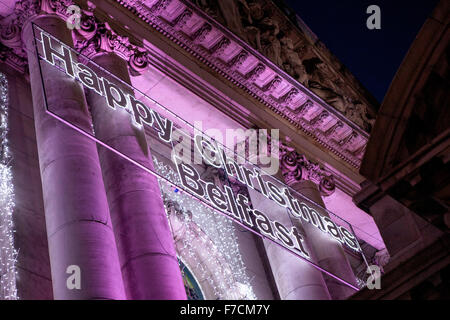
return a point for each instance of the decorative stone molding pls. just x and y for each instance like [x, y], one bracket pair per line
[296, 167]
[264, 27]
[13, 59]
[95, 37]
[12, 49]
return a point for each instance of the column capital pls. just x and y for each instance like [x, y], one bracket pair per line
[92, 38]
[296, 167]
[12, 49]
[95, 37]
[381, 258]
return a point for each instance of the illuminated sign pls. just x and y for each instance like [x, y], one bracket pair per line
[236, 206]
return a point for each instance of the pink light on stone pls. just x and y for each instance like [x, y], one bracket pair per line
[193, 196]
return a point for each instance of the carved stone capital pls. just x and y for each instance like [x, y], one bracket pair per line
[256, 72]
[26, 9]
[58, 7]
[272, 85]
[12, 49]
[88, 27]
[91, 38]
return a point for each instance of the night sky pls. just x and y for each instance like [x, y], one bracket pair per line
[373, 56]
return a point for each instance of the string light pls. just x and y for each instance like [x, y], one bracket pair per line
[8, 254]
[220, 261]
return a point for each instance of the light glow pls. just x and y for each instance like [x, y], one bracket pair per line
[8, 254]
[229, 280]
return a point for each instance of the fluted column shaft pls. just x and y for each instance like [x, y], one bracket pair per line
[144, 239]
[76, 210]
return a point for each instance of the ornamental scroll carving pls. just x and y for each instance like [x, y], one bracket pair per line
[215, 46]
[95, 36]
[11, 48]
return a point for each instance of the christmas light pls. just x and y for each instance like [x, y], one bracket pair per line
[8, 254]
[220, 263]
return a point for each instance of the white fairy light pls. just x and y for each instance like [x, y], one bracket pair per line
[234, 282]
[8, 254]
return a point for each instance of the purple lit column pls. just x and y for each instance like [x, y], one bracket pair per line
[298, 173]
[328, 252]
[144, 239]
[295, 278]
[76, 210]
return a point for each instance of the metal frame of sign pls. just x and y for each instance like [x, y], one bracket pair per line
[158, 176]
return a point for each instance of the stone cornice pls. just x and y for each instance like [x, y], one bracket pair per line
[216, 47]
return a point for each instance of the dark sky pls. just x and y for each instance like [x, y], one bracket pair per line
[373, 56]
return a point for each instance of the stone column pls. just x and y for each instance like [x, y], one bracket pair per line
[295, 278]
[76, 209]
[328, 254]
[146, 248]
